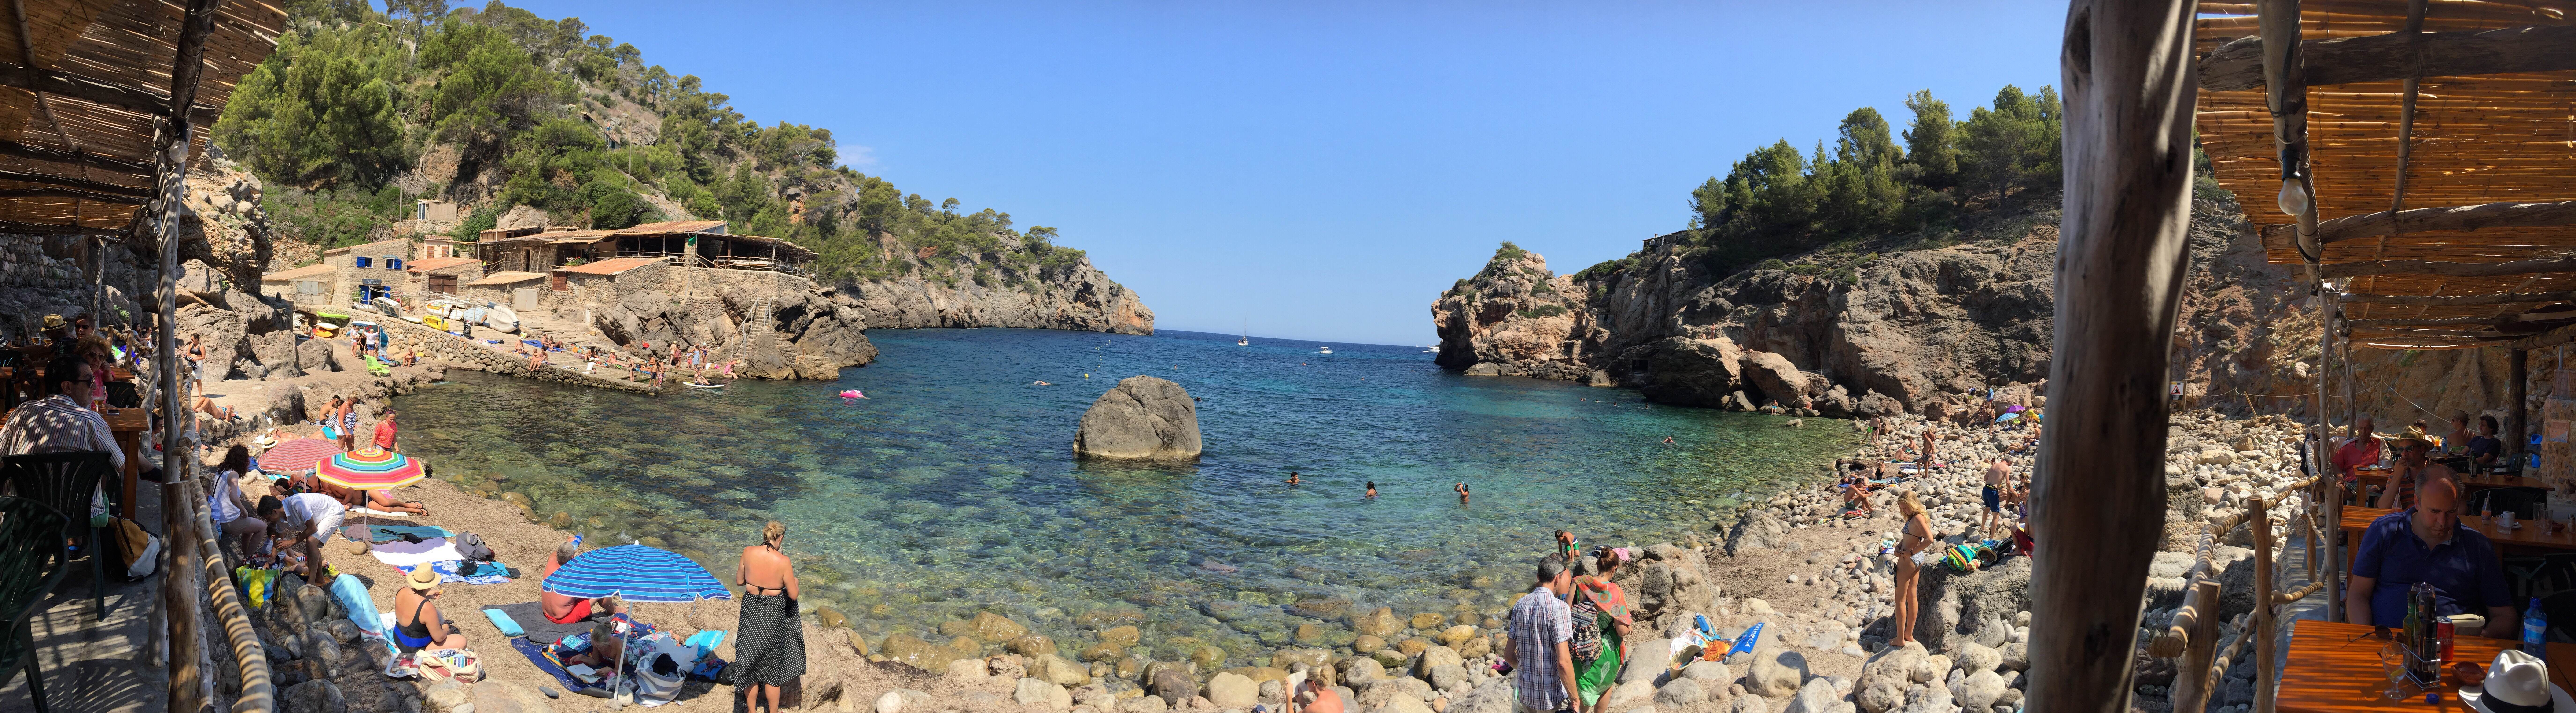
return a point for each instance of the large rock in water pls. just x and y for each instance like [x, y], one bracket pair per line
[1144, 418]
[1694, 372]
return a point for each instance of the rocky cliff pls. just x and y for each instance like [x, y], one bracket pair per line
[1913, 329]
[1081, 298]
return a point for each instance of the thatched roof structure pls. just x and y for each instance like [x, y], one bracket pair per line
[2441, 144]
[83, 99]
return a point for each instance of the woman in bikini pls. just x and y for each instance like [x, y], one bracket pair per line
[771, 651]
[1917, 534]
[421, 627]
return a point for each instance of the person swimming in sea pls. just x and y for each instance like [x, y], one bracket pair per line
[1668, 440]
[1462, 492]
[1292, 477]
[1040, 382]
[1372, 488]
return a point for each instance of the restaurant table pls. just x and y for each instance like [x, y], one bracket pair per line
[2473, 483]
[2334, 667]
[2531, 535]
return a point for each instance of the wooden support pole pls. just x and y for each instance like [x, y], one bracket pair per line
[2238, 64]
[2517, 416]
[2191, 692]
[2266, 680]
[2130, 90]
[179, 590]
[2331, 508]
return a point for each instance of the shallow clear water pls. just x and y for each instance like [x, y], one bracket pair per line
[953, 489]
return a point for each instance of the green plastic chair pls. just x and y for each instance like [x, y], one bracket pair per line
[31, 565]
[65, 482]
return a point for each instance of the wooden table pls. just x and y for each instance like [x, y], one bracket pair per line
[2334, 667]
[129, 425]
[2532, 535]
[2470, 484]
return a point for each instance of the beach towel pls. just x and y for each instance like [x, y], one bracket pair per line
[546, 662]
[372, 512]
[352, 594]
[389, 533]
[377, 368]
[405, 554]
[531, 617]
[463, 572]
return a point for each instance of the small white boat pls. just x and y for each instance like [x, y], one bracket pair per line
[499, 317]
[704, 386]
[1328, 350]
[386, 305]
[1246, 340]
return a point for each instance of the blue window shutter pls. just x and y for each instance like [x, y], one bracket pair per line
[363, 261]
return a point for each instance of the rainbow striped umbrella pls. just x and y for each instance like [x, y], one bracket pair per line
[635, 573]
[298, 455]
[370, 468]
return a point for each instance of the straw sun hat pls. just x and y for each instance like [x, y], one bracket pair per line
[2411, 436]
[423, 579]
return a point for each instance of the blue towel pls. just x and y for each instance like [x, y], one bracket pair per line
[457, 572]
[508, 626]
[352, 594]
[1745, 643]
[706, 642]
[536, 655]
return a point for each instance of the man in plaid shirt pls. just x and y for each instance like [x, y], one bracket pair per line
[1542, 628]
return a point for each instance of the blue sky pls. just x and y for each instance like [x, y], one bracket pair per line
[1326, 169]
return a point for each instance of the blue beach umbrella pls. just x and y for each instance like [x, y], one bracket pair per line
[637, 574]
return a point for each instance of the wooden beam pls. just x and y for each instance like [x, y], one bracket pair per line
[2545, 340]
[91, 160]
[2127, 69]
[2267, 675]
[2499, 298]
[2434, 322]
[69, 193]
[75, 183]
[2199, 648]
[97, 91]
[18, 228]
[2238, 64]
[2449, 269]
[2506, 214]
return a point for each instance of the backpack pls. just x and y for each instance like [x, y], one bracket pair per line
[472, 547]
[1586, 644]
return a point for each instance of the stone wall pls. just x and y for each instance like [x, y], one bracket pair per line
[457, 352]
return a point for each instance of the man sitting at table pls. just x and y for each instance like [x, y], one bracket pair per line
[2428, 544]
[62, 421]
[2362, 449]
[2412, 470]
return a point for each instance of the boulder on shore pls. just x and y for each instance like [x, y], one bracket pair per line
[1143, 418]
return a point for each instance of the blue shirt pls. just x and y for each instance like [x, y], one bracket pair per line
[2465, 576]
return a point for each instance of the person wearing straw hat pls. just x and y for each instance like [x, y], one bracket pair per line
[418, 623]
[2412, 469]
[2517, 683]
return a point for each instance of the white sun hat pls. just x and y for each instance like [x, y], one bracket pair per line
[2518, 683]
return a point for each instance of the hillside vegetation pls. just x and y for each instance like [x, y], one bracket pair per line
[359, 112]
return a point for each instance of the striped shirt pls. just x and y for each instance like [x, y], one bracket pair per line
[1539, 622]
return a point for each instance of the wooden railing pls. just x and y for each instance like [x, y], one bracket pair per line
[196, 575]
[2193, 633]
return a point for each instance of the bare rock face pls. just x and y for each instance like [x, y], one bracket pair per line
[1695, 372]
[1143, 418]
[1774, 377]
[1076, 297]
[1514, 318]
[519, 217]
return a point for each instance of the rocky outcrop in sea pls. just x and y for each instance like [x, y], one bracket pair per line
[1144, 417]
[1079, 297]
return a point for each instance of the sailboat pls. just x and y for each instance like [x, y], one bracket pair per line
[1247, 334]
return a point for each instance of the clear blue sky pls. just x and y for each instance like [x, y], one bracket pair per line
[1326, 169]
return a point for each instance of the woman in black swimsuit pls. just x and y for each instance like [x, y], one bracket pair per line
[1916, 536]
[421, 625]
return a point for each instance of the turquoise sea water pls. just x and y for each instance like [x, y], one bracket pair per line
[952, 488]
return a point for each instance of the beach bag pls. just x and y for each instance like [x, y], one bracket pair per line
[472, 547]
[136, 549]
[443, 664]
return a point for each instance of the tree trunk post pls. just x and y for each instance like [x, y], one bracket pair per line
[2266, 678]
[2130, 90]
[2517, 424]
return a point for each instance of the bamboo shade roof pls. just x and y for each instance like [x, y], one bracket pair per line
[102, 150]
[2477, 140]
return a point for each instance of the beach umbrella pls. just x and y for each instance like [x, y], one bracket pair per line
[637, 574]
[370, 468]
[297, 455]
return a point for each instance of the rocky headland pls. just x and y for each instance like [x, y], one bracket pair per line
[1918, 324]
